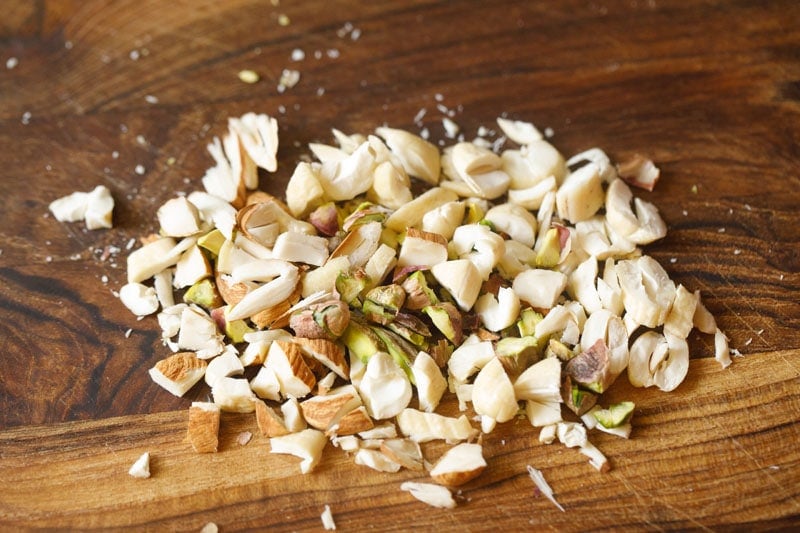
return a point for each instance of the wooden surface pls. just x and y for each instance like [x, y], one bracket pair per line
[709, 90]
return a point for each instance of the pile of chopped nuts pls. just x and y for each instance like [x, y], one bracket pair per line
[516, 282]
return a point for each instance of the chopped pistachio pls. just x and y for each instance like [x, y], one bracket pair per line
[517, 353]
[528, 318]
[447, 319]
[558, 349]
[417, 339]
[376, 313]
[362, 341]
[549, 252]
[419, 294]
[211, 242]
[578, 400]
[350, 285]
[591, 367]
[391, 297]
[401, 350]
[204, 293]
[474, 214]
[326, 219]
[616, 414]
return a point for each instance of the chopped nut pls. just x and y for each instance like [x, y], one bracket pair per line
[204, 427]
[293, 374]
[306, 444]
[139, 299]
[249, 76]
[493, 395]
[179, 372]
[433, 495]
[269, 422]
[422, 427]
[459, 464]
[322, 412]
[233, 395]
[327, 519]
[405, 452]
[141, 468]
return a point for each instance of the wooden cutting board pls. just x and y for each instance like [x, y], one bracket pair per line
[128, 94]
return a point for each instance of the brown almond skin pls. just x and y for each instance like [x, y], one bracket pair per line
[353, 422]
[327, 352]
[269, 423]
[276, 317]
[203, 429]
[455, 479]
[298, 362]
[319, 411]
[176, 366]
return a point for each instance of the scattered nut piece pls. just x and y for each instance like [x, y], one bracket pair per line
[249, 76]
[141, 468]
[327, 519]
[459, 464]
[543, 486]
[204, 427]
[433, 495]
[306, 444]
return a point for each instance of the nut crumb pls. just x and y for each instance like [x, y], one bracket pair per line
[327, 519]
[283, 20]
[289, 78]
[249, 76]
[141, 468]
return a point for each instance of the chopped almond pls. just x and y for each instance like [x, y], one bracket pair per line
[204, 427]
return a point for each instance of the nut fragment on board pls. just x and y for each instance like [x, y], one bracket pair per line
[94, 207]
[459, 464]
[203, 429]
[141, 467]
[430, 493]
[327, 519]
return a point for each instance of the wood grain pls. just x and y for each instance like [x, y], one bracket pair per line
[689, 448]
[709, 89]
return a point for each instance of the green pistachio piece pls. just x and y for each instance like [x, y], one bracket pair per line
[517, 353]
[474, 213]
[376, 313]
[362, 341]
[550, 251]
[558, 349]
[578, 400]
[401, 350]
[528, 318]
[419, 294]
[349, 285]
[211, 242]
[447, 319]
[204, 293]
[391, 297]
[616, 415]
[236, 330]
